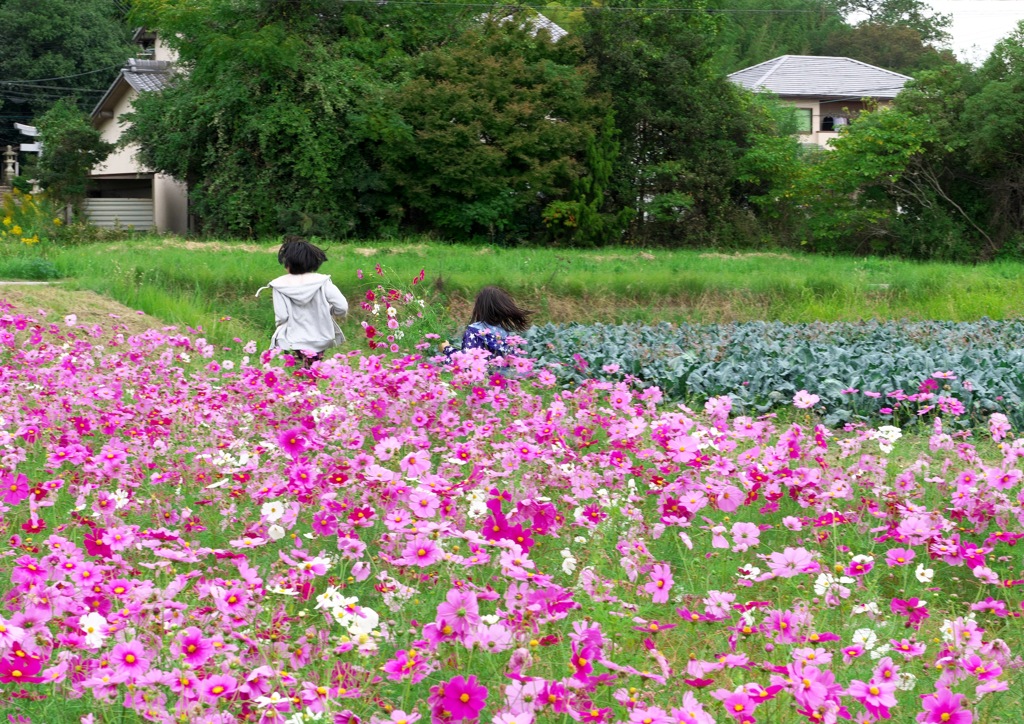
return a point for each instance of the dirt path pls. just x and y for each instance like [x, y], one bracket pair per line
[89, 307]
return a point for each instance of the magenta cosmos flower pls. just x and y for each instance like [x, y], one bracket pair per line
[464, 698]
[129, 658]
[293, 441]
[193, 647]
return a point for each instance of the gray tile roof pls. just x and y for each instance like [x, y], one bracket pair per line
[147, 75]
[141, 75]
[820, 76]
[535, 22]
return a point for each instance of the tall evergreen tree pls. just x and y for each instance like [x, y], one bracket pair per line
[679, 119]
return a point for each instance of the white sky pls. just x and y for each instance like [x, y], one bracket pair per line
[979, 24]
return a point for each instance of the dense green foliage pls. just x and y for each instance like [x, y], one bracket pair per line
[762, 365]
[363, 119]
[73, 47]
[73, 147]
[937, 176]
[498, 126]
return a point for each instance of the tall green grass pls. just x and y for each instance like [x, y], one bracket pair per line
[199, 283]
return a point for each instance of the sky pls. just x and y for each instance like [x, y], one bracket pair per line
[979, 24]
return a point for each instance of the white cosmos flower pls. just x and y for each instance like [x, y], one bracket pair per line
[272, 511]
[568, 562]
[866, 638]
[95, 627]
[871, 607]
[880, 651]
[275, 532]
[120, 498]
[924, 575]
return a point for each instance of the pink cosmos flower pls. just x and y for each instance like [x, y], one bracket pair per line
[740, 706]
[218, 686]
[804, 400]
[876, 696]
[998, 426]
[852, 652]
[192, 646]
[899, 557]
[660, 583]
[944, 707]
[415, 464]
[460, 609]
[745, 536]
[792, 562]
[463, 698]
[421, 551]
[14, 488]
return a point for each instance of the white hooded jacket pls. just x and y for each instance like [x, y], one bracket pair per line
[304, 309]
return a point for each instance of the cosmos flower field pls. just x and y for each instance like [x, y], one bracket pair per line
[201, 534]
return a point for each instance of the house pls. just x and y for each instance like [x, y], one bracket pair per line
[826, 92]
[121, 191]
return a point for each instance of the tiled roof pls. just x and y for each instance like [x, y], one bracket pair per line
[141, 75]
[535, 22]
[557, 32]
[147, 75]
[820, 76]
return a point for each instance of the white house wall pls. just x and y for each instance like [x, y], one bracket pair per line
[122, 160]
[169, 197]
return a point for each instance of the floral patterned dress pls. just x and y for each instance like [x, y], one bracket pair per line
[480, 335]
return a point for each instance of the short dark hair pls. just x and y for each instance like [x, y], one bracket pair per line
[495, 306]
[299, 256]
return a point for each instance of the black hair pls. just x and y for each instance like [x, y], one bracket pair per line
[299, 256]
[495, 306]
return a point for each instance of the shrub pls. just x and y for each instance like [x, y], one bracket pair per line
[27, 220]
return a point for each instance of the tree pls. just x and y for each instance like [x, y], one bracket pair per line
[54, 49]
[914, 14]
[751, 33]
[899, 179]
[498, 122]
[897, 48]
[585, 218]
[680, 122]
[71, 148]
[278, 117]
[993, 136]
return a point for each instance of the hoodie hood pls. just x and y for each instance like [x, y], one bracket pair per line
[300, 288]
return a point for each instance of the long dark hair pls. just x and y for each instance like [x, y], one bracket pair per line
[495, 306]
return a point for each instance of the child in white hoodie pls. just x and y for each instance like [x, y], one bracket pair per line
[305, 302]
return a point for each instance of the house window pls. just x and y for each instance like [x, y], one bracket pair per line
[803, 120]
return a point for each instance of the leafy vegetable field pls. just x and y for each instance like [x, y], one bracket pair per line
[860, 371]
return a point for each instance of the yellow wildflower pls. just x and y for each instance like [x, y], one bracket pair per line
[7, 221]
[57, 222]
[16, 230]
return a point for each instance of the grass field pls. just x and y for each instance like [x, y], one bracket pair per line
[199, 283]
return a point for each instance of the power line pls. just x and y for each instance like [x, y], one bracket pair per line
[74, 75]
[29, 86]
[602, 8]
